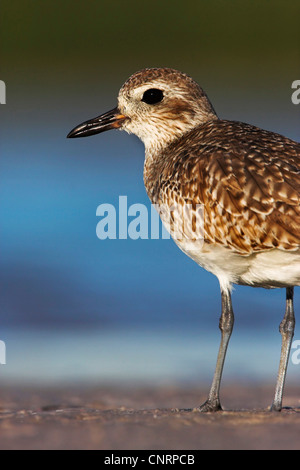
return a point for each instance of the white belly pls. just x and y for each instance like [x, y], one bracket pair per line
[269, 269]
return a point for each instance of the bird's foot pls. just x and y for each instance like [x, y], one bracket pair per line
[276, 407]
[209, 407]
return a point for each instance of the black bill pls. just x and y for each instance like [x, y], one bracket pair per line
[111, 120]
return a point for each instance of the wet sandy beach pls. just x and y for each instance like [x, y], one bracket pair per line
[143, 418]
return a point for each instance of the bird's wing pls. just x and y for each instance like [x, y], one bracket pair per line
[248, 181]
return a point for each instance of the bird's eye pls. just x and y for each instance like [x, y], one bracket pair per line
[152, 96]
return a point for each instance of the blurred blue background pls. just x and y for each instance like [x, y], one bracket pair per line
[74, 308]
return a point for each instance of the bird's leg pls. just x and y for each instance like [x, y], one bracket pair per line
[226, 327]
[287, 327]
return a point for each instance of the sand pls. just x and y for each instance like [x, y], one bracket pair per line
[111, 418]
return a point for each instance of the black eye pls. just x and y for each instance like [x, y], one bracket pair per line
[152, 96]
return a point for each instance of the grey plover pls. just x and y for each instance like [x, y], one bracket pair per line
[246, 179]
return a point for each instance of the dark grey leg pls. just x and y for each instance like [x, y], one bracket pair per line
[286, 329]
[226, 327]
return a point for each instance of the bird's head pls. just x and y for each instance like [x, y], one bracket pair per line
[158, 105]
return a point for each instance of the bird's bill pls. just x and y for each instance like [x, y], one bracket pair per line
[111, 120]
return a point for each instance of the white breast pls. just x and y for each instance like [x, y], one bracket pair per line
[269, 269]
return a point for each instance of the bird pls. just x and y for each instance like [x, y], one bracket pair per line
[245, 180]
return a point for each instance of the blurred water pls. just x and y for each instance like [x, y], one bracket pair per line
[138, 356]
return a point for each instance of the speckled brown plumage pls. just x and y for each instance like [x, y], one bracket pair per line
[247, 179]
